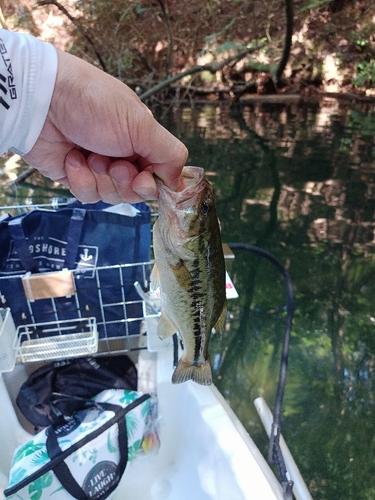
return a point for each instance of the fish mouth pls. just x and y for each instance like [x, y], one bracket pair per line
[190, 176]
[192, 182]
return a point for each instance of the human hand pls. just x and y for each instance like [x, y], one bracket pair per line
[100, 141]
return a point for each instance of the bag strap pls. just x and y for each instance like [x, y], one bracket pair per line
[63, 472]
[67, 480]
[74, 237]
[51, 436]
[19, 239]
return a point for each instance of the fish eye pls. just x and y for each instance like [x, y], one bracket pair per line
[205, 208]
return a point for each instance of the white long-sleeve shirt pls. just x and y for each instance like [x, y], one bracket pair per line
[28, 70]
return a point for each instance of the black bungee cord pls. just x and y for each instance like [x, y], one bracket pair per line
[275, 455]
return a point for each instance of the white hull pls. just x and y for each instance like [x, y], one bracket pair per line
[205, 452]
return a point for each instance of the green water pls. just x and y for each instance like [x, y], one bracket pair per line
[299, 181]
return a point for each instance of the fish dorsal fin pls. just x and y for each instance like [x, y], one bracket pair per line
[220, 323]
[182, 275]
[155, 278]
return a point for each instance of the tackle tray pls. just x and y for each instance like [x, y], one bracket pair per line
[119, 323]
[113, 320]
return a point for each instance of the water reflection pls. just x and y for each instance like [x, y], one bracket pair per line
[298, 180]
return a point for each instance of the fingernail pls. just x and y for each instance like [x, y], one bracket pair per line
[146, 193]
[74, 158]
[120, 174]
[176, 184]
[98, 164]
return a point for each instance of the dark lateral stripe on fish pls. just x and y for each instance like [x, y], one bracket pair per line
[197, 295]
[197, 347]
[196, 280]
[197, 331]
[196, 283]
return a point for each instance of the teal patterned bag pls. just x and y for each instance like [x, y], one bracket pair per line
[86, 456]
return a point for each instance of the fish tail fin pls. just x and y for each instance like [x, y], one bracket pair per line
[201, 374]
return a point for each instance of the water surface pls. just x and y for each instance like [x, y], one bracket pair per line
[299, 181]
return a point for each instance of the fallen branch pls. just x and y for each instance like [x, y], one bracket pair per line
[211, 67]
[22, 177]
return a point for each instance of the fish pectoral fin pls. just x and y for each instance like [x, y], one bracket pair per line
[200, 373]
[220, 323]
[166, 328]
[155, 278]
[182, 275]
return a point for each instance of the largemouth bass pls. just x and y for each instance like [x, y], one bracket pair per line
[190, 270]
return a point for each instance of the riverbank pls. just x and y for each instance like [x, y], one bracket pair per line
[332, 47]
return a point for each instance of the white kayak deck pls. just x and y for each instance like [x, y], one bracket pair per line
[205, 452]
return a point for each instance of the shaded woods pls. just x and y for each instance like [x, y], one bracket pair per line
[219, 49]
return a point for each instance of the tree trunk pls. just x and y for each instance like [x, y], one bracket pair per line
[288, 41]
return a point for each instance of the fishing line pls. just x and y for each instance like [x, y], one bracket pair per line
[275, 454]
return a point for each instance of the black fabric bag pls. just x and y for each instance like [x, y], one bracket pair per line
[62, 387]
[81, 238]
